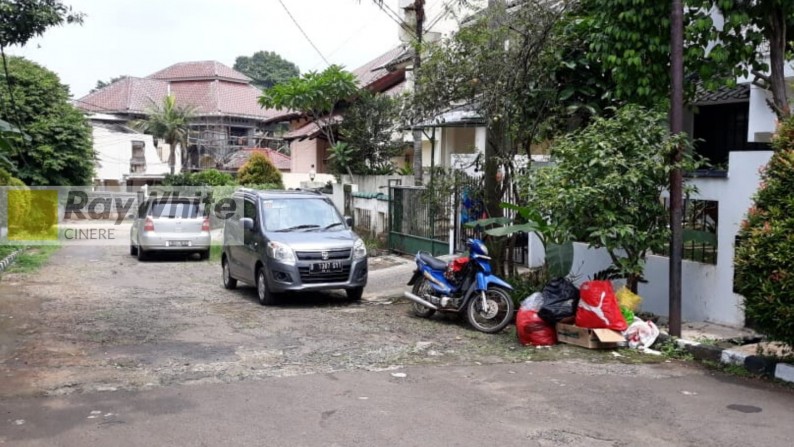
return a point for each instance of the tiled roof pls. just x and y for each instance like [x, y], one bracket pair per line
[207, 98]
[311, 129]
[375, 70]
[184, 71]
[723, 95]
[239, 158]
[127, 95]
[396, 89]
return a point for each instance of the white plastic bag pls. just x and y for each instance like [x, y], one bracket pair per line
[533, 302]
[641, 334]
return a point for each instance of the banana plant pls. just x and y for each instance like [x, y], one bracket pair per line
[557, 246]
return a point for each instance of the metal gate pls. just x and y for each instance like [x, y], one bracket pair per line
[417, 222]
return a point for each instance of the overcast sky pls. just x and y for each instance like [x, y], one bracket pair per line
[139, 37]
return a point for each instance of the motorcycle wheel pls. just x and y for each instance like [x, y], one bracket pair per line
[497, 314]
[420, 289]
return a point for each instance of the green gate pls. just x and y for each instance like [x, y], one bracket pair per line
[415, 223]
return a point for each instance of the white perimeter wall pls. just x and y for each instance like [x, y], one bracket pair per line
[707, 290]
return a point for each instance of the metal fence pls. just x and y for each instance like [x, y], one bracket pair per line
[418, 220]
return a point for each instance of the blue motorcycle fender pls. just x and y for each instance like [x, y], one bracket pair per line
[484, 281]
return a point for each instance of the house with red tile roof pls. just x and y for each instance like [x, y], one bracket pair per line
[224, 103]
[308, 146]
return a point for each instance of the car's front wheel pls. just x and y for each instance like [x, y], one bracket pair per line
[266, 297]
[355, 294]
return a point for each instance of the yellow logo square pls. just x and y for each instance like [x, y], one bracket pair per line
[32, 215]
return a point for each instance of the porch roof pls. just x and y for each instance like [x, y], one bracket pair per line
[723, 95]
[460, 116]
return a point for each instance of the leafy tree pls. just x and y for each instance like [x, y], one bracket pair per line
[21, 20]
[755, 34]
[266, 68]
[764, 267]
[317, 95]
[56, 148]
[369, 129]
[259, 170]
[100, 84]
[169, 122]
[628, 43]
[504, 67]
[605, 184]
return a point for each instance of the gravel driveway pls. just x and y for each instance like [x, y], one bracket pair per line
[96, 319]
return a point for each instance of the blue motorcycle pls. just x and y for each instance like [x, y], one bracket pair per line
[465, 285]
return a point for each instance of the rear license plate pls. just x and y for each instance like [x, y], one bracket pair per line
[178, 243]
[325, 267]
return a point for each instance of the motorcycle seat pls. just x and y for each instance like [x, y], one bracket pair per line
[434, 263]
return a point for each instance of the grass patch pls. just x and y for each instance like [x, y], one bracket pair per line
[669, 348]
[33, 258]
[6, 250]
[216, 250]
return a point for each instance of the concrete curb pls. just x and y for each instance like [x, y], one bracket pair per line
[8, 260]
[756, 364]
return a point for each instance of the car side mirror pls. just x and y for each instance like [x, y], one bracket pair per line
[349, 221]
[248, 223]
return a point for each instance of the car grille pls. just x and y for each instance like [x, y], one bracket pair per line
[318, 255]
[313, 278]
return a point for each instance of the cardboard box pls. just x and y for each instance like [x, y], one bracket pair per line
[589, 338]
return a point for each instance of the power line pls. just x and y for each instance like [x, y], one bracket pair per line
[303, 32]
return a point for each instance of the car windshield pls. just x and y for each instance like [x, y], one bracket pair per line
[170, 209]
[300, 215]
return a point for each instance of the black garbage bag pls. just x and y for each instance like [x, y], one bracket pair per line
[560, 300]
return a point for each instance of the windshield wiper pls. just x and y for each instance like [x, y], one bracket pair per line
[297, 227]
[332, 225]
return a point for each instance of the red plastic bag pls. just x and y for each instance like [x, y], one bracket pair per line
[598, 307]
[532, 330]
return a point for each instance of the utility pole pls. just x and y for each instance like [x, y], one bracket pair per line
[419, 11]
[676, 178]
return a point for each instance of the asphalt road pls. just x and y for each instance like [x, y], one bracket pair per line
[536, 404]
[99, 349]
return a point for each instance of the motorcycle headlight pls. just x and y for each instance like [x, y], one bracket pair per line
[359, 249]
[280, 252]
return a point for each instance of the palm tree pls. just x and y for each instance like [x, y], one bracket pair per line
[169, 122]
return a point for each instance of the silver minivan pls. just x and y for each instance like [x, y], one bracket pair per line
[170, 225]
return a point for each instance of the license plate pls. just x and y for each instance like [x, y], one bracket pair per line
[325, 267]
[178, 243]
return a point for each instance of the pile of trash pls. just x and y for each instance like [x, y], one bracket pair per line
[593, 316]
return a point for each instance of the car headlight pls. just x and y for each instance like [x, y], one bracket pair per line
[280, 252]
[359, 249]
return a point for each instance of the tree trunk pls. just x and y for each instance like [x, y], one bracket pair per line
[632, 283]
[171, 156]
[419, 8]
[776, 34]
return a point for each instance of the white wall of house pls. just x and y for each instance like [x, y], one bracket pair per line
[707, 289]
[299, 179]
[114, 151]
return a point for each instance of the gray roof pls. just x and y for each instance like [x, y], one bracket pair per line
[723, 95]
[460, 116]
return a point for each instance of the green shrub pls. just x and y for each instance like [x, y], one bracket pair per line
[20, 207]
[259, 170]
[764, 263]
[213, 177]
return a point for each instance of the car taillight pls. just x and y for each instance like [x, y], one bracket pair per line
[205, 226]
[148, 225]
